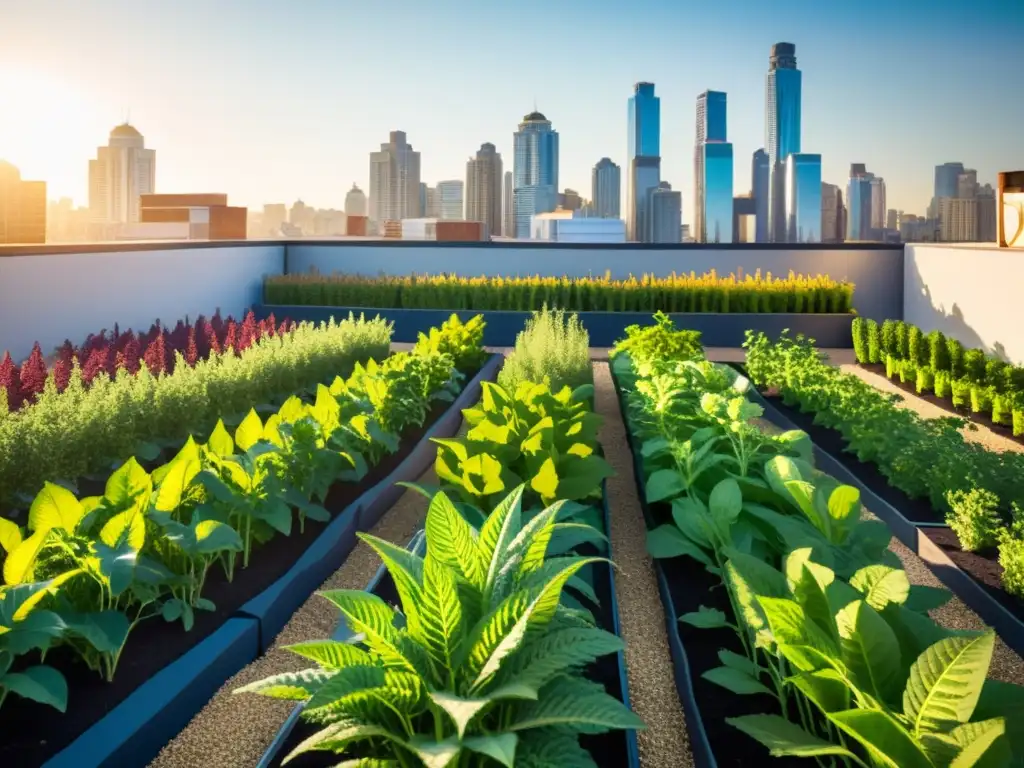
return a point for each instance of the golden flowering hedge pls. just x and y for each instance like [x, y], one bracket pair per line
[675, 293]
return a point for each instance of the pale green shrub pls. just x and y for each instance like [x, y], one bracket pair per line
[554, 346]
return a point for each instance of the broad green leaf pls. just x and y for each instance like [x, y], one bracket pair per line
[844, 504]
[982, 744]
[406, 571]
[582, 476]
[547, 747]
[790, 627]
[435, 754]
[453, 540]
[887, 742]
[497, 533]
[336, 736]
[734, 660]
[481, 475]
[213, 536]
[440, 614]
[250, 431]
[923, 599]
[881, 585]
[106, 631]
[558, 651]
[689, 514]
[726, 501]
[19, 564]
[41, 683]
[463, 709]
[128, 484]
[499, 747]
[785, 739]
[343, 682]
[825, 687]
[128, 527]
[330, 654]
[667, 541]
[733, 680]
[577, 705]
[545, 482]
[870, 650]
[705, 618]
[945, 682]
[175, 482]
[22, 599]
[291, 686]
[663, 484]
[54, 507]
[220, 441]
[10, 535]
[809, 582]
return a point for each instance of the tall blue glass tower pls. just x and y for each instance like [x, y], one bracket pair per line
[711, 129]
[715, 222]
[803, 198]
[644, 157]
[535, 170]
[759, 177]
[858, 203]
[782, 130]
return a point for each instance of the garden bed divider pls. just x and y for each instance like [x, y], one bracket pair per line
[134, 731]
[718, 329]
[700, 747]
[915, 536]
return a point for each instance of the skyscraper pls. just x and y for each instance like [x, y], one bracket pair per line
[536, 170]
[833, 214]
[666, 214]
[483, 190]
[431, 203]
[878, 208]
[967, 184]
[986, 199]
[508, 226]
[712, 199]
[122, 171]
[606, 189]
[643, 156]
[759, 179]
[803, 198]
[858, 203]
[946, 183]
[394, 181]
[22, 207]
[355, 202]
[958, 220]
[782, 130]
[450, 199]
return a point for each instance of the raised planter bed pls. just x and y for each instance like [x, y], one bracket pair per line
[975, 578]
[617, 749]
[118, 723]
[717, 329]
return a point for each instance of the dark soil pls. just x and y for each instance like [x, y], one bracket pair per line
[609, 750]
[946, 403]
[833, 443]
[42, 732]
[982, 566]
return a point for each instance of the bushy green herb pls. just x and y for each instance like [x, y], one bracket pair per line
[480, 662]
[908, 371]
[1018, 418]
[974, 517]
[464, 342]
[892, 366]
[974, 366]
[1001, 409]
[981, 398]
[956, 357]
[902, 341]
[874, 342]
[888, 337]
[860, 340]
[1011, 560]
[925, 380]
[943, 386]
[660, 341]
[554, 347]
[938, 351]
[962, 392]
[917, 348]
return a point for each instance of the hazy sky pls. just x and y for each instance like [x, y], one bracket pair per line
[271, 101]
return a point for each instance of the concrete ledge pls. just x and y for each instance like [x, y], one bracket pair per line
[717, 329]
[135, 731]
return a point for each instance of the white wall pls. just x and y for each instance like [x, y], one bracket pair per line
[972, 292]
[877, 271]
[50, 297]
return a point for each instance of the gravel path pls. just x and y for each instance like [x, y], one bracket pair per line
[234, 731]
[652, 688]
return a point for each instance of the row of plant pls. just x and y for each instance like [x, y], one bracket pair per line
[830, 641]
[83, 573]
[158, 350]
[675, 293]
[486, 659]
[979, 492]
[969, 379]
[86, 430]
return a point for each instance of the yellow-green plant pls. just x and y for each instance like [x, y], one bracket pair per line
[554, 347]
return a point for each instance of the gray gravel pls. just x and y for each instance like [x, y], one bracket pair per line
[234, 731]
[650, 673]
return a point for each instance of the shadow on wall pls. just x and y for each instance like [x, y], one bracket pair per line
[955, 324]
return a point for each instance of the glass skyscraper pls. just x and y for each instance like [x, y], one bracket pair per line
[535, 171]
[711, 128]
[759, 188]
[858, 203]
[803, 198]
[606, 189]
[644, 158]
[716, 223]
[782, 129]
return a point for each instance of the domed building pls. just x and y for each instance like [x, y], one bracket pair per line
[122, 172]
[535, 171]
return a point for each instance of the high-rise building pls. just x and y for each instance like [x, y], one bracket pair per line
[606, 189]
[483, 189]
[644, 157]
[986, 200]
[858, 203]
[424, 193]
[22, 207]
[713, 223]
[570, 200]
[450, 199]
[355, 202]
[431, 202]
[536, 170]
[711, 128]
[967, 184]
[666, 213]
[958, 220]
[274, 215]
[833, 214]
[892, 218]
[122, 172]
[744, 219]
[947, 178]
[782, 130]
[759, 178]
[803, 198]
[508, 226]
[878, 208]
[394, 181]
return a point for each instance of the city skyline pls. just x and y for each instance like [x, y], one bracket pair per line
[264, 130]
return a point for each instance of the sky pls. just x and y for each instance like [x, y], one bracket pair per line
[273, 101]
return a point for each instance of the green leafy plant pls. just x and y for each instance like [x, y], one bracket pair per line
[874, 342]
[1001, 409]
[943, 385]
[902, 341]
[661, 341]
[464, 342]
[981, 398]
[860, 339]
[888, 338]
[974, 366]
[481, 663]
[938, 351]
[925, 380]
[962, 392]
[956, 357]
[554, 347]
[908, 372]
[917, 346]
[892, 366]
[974, 518]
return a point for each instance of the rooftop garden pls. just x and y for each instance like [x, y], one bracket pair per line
[268, 542]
